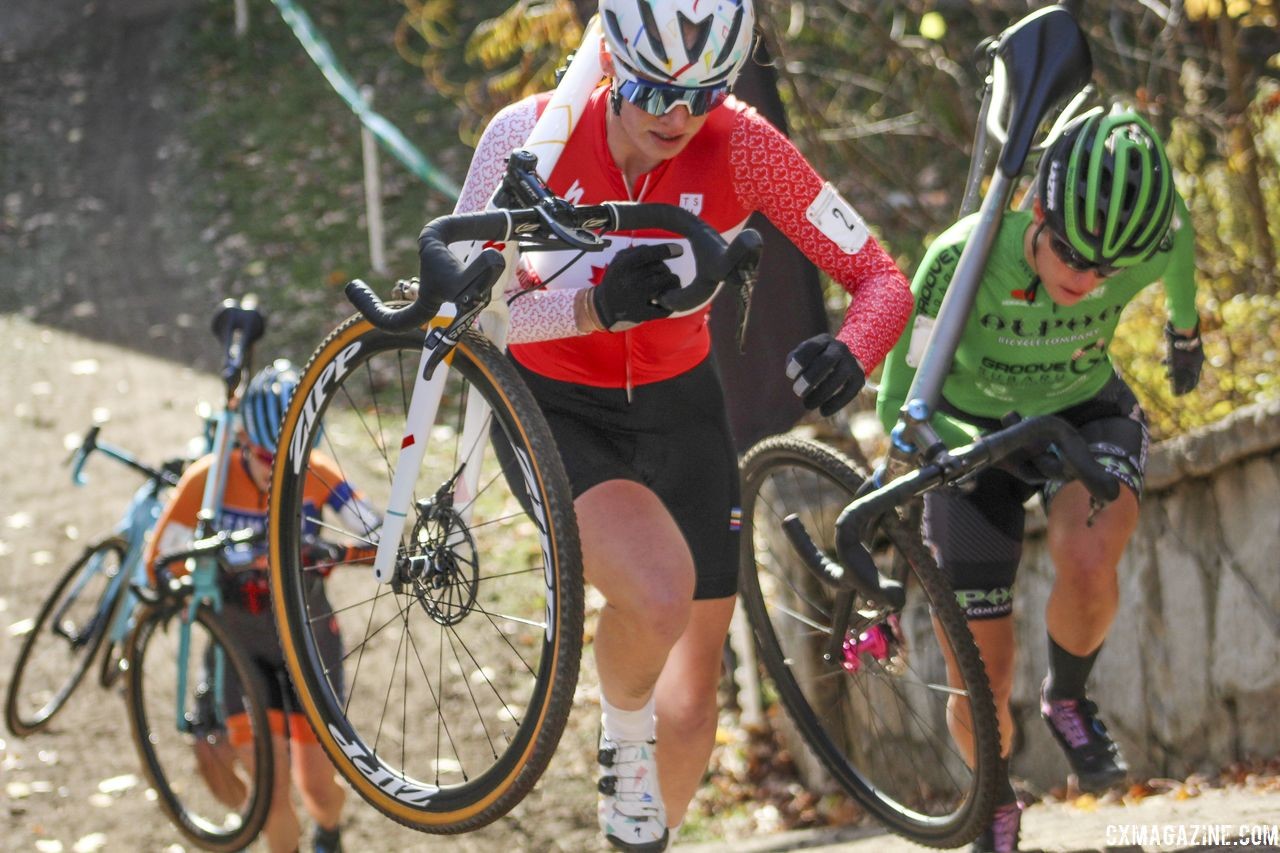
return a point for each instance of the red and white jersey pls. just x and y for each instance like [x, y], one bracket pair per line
[738, 163]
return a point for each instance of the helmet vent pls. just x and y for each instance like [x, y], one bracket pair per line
[615, 28]
[651, 31]
[734, 29]
[694, 34]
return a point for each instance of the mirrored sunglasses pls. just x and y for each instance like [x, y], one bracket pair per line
[658, 100]
[1076, 261]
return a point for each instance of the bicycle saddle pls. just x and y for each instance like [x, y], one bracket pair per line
[1045, 58]
[241, 315]
[238, 325]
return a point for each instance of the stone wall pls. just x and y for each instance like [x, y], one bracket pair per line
[1189, 678]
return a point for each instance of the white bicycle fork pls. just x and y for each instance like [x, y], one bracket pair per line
[424, 404]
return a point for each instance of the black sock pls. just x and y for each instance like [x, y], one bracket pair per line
[1004, 788]
[328, 839]
[1068, 672]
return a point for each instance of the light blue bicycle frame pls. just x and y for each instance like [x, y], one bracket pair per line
[204, 571]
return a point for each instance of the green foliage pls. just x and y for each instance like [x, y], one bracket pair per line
[1239, 309]
[883, 98]
[280, 159]
[485, 56]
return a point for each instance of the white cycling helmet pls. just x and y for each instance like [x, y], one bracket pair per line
[686, 43]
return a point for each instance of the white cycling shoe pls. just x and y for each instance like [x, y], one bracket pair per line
[631, 813]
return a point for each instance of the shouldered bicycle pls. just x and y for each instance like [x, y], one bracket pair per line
[181, 663]
[464, 637]
[855, 624]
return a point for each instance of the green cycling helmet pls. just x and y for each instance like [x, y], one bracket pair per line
[1106, 188]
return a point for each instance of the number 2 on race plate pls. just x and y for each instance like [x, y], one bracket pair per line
[837, 219]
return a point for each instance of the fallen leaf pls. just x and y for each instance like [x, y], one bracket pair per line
[118, 783]
[18, 521]
[91, 842]
[1086, 802]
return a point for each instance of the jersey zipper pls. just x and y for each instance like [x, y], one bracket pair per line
[626, 340]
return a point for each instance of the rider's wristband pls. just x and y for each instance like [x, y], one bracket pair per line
[584, 312]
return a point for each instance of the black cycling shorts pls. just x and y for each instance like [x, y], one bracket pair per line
[976, 529]
[257, 637]
[670, 436]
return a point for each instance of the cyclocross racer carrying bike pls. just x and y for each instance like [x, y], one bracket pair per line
[632, 394]
[247, 609]
[1107, 222]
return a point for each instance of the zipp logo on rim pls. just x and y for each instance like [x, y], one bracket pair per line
[332, 372]
[540, 519]
[393, 786]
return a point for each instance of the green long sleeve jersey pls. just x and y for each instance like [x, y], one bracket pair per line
[1020, 351]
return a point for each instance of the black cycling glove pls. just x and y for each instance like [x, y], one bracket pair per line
[628, 293]
[1185, 359]
[826, 374]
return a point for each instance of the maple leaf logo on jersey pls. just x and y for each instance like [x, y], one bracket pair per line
[597, 273]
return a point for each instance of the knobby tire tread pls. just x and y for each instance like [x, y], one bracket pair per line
[780, 451]
[560, 517]
[23, 728]
[150, 619]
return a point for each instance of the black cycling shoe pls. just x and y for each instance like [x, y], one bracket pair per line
[1090, 751]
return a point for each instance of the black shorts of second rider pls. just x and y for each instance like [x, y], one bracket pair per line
[976, 531]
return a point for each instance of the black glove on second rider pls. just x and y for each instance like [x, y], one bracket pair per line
[1185, 359]
[826, 374]
[627, 294]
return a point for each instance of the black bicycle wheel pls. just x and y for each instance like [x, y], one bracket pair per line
[875, 713]
[64, 637]
[458, 675]
[216, 794]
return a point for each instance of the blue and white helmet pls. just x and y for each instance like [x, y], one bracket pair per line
[686, 43]
[264, 402]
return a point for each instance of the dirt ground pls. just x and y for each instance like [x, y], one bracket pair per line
[79, 787]
[101, 312]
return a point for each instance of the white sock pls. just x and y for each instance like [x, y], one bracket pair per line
[640, 724]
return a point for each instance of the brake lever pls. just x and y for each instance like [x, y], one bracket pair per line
[743, 280]
[523, 187]
[576, 238]
[441, 341]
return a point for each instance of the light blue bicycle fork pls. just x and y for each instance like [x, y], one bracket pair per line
[139, 518]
